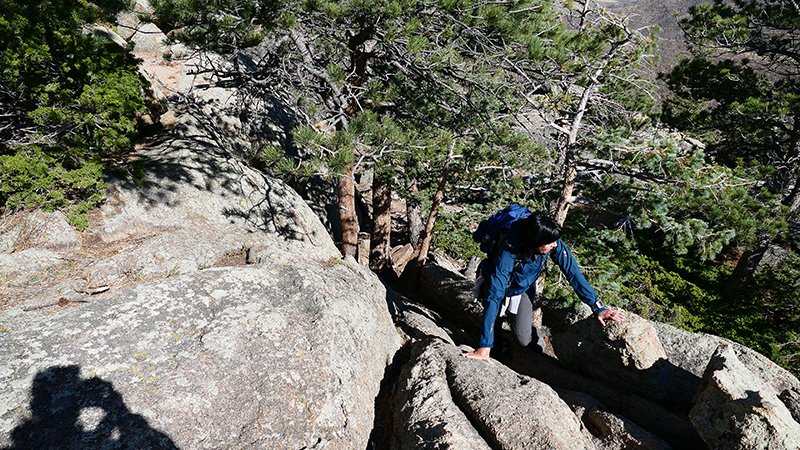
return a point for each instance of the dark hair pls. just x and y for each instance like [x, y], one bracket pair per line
[537, 230]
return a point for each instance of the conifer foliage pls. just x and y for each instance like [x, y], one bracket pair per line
[740, 93]
[441, 97]
[741, 89]
[67, 100]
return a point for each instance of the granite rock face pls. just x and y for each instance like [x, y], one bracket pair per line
[285, 354]
[426, 416]
[204, 307]
[447, 401]
[196, 205]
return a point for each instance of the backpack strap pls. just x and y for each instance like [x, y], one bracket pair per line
[500, 242]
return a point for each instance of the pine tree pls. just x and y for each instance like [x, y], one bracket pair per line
[740, 92]
[67, 100]
[432, 94]
[598, 85]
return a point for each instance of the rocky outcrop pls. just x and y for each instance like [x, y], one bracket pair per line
[195, 206]
[204, 307]
[514, 411]
[673, 427]
[447, 401]
[736, 409]
[639, 384]
[609, 430]
[691, 352]
[627, 356]
[285, 354]
[426, 415]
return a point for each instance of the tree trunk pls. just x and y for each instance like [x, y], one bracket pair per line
[793, 199]
[360, 55]
[347, 214]
[437, 200]
[746, 268]
[565, 199]
[428, 233]
[361, 47]
[791, 189]
[379, 258]
[567, 158]
[414, 219]
[471, 271]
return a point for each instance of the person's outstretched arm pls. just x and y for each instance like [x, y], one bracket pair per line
[563, 257]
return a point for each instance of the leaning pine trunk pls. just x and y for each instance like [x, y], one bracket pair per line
[428, 233]
[382, 225]
[793, 199]
[413, 219]
[347, 214]
[360, 56]
[437, 200]
[564, 200]
[567, 158]
[746, 268]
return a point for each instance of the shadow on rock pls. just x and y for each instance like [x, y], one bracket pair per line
[627, 356]
[198, 169]
[70, 412]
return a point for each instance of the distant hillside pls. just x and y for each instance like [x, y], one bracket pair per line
[665, 14]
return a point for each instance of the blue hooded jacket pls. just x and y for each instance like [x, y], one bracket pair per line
[508, 275]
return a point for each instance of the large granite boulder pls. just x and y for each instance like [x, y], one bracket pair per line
[451, 294]
[289, 353]
[204, 307]
[691, 352]
[628, 356]
[512, 410]
[672, 427]
[735, 409]
[610, 431]
[444, 400]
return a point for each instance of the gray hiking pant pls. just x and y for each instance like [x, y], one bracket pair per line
[521, 323]
[526, 333]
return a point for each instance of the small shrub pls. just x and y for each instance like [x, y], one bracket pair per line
[453, 235]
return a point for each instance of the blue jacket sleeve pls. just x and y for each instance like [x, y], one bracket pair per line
[497, 276]
[563, 257]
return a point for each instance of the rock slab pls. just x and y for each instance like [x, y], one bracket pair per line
[284, 355]
[735, 409]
